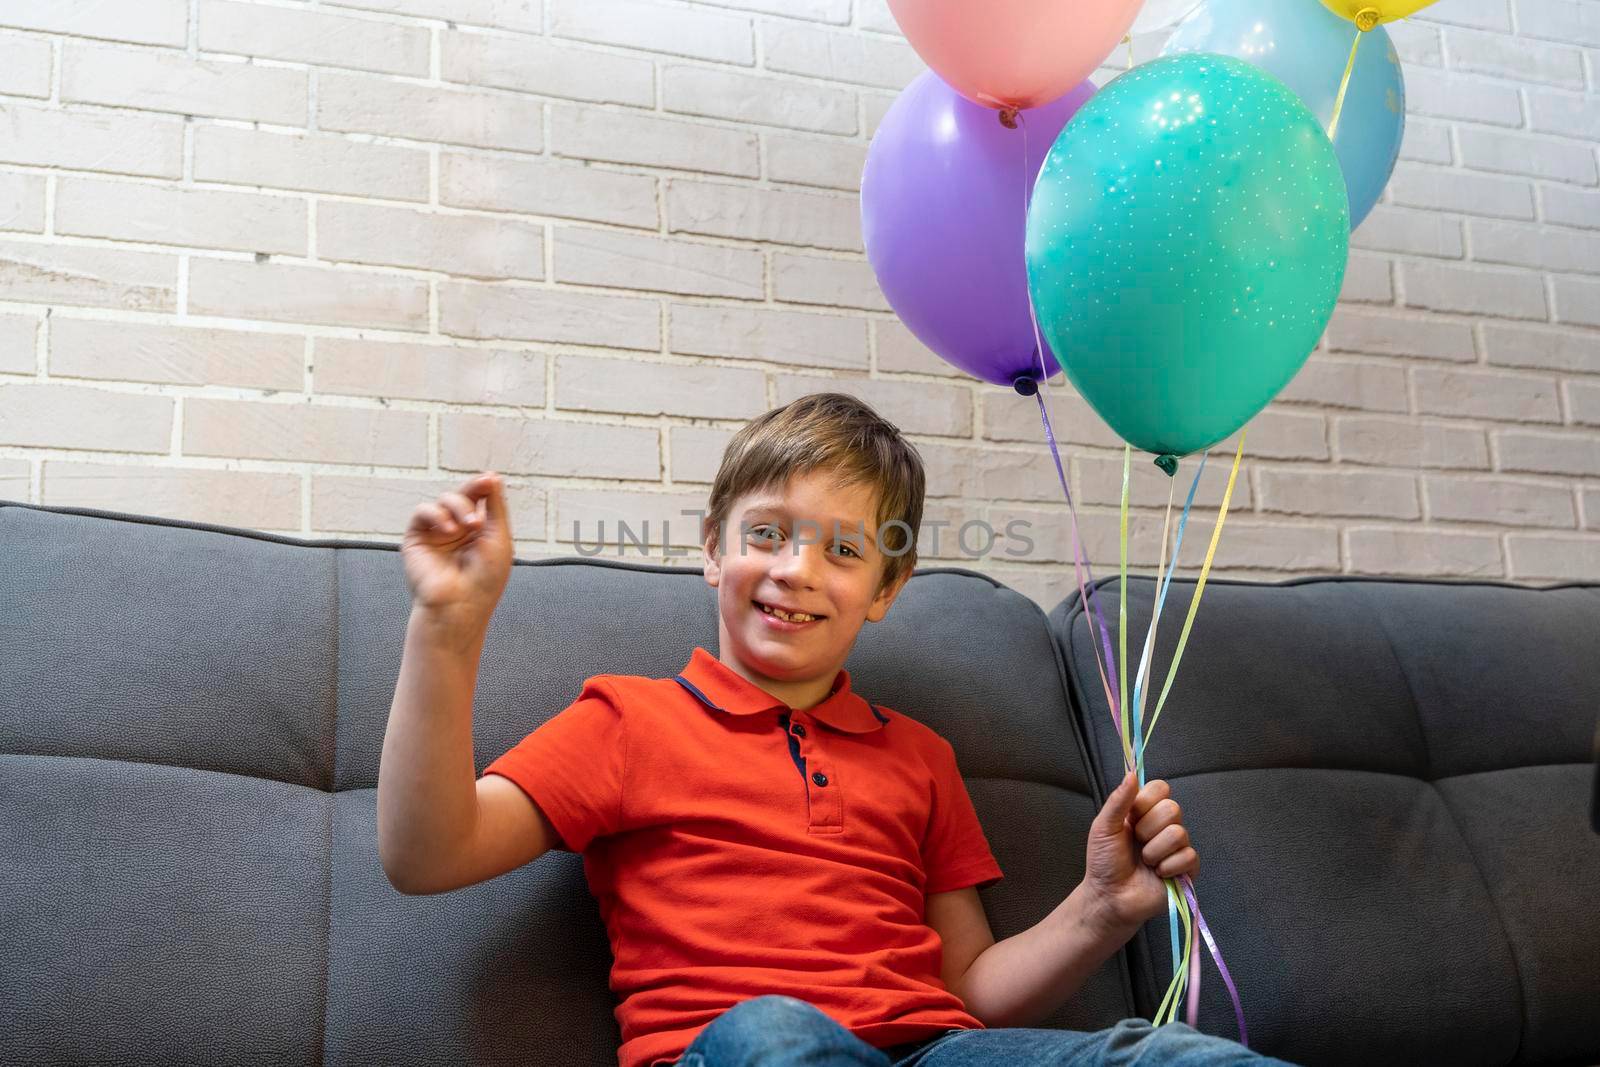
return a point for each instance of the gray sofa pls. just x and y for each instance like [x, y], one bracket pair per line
[1388, 782]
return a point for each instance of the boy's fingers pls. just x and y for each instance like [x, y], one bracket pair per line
[1151, 795]
[494, 496]
[1120, 801]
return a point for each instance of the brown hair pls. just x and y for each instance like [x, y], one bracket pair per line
[838, 433]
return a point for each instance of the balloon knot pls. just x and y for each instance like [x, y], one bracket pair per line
[1025, 385]
[1168, 463]
[1008, 117]
[1367, 18]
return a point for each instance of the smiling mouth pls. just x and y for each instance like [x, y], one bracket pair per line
[787, 616]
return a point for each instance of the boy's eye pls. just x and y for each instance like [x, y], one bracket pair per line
[848, 547]
[764, 532]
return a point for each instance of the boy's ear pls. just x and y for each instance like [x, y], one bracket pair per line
[886, 597]
[712, 565]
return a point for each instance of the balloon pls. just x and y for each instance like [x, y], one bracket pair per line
[943, 213]
[1158, 15]
[1306, 47]
[1014, 53]
[1186, 245]
[1368, 13]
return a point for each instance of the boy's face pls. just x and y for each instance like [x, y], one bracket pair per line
[808, 547]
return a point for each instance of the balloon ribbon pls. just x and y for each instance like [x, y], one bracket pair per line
[1365, 19]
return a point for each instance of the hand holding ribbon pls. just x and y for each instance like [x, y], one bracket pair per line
[1136, 842]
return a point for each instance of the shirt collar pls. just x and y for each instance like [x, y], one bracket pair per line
[721, 688]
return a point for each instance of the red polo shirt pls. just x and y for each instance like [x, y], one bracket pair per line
[738, 847]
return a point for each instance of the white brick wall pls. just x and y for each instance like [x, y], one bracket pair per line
[298, 266]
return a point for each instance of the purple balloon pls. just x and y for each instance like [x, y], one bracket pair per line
[944, 216]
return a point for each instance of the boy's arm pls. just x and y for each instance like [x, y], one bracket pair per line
[439, 826]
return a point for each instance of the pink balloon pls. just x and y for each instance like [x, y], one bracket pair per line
[1014, 53]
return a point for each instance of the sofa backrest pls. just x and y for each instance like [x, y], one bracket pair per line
[1388, 783]
[191, 718]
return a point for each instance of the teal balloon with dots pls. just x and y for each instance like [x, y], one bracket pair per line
[1186, 243]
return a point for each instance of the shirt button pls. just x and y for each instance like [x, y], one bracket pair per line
[820, 778]
[799, 729]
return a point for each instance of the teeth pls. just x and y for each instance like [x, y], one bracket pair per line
[788, 616]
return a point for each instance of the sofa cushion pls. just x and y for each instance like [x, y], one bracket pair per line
[1387, 782]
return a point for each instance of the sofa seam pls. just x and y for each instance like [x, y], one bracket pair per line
[333, 800]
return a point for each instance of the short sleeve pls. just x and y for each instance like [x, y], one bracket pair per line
[955, 853]
[574, 766]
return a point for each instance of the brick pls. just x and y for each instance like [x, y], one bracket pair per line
[654, 27]
[1050, 534]
[163, 22]
[815, 161]
[697, 452]
[793, 337]
[24, 66]
[899, 351]
[930, 408]
[19, 337]
[779, 216]
[1486, 395]
[535, 187]
[22, 202]
[1363, 494]
[1405, 334]
[588, 518]
[622, 137]
[174, 215]
[1409, 443]
[1424, 553]
[255, 500]
[1247, 545]
[1577, 301]
[1516, 58]
[1498, 501]
[1532, 246]
[1449, 95]
[834, 11]
[383, 506]
[1426, 142]
[1367, 280]
[1342, 383]
[315, 163]
[16, 479]
[521, 313]
[634, 261]
[1537, 157]
[1481, 14]
[1097, 480]
[641, 387]
[53, 415]
[826, 280]
[1421, 233]
[524, 15]
[156, 81]
[549, 68]
[1416, 44]
[304, 432]
[1009, 417]
[543, 446]
[291, 293]
[873, 107]
[839, 55]
[315, 37]
[1583, 402]
[1531, 346]
[1567, 114]
[1568, 21]
[472, 246]
[1555, 558]
[114, 144]
[88, 277]
[1548, 453]
[1436, 189]
[1591, 509]
[355, 104]
[1278, 434]
[764, 101]
[175, 355]
[448, 374]
[1474, 290]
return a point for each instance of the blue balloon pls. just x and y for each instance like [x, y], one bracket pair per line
[1306, 46]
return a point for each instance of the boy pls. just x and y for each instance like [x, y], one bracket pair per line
[754, 917]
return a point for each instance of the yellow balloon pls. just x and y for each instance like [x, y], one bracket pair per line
[1368, 13]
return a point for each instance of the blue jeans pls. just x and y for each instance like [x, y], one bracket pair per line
[780, 1031]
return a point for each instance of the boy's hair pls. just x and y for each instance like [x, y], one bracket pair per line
[838, 433]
